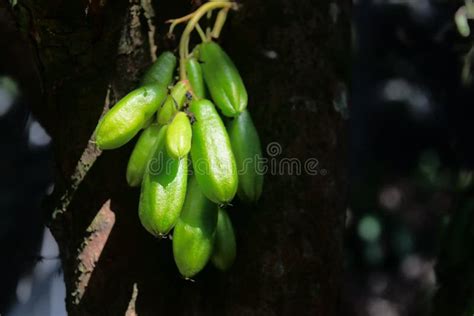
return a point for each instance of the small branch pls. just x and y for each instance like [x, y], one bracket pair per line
[175, 22]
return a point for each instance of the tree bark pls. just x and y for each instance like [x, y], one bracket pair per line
[293, 56]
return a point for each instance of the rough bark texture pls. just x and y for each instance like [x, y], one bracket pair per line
[290, 256]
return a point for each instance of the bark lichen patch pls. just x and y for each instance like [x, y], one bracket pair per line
[92, 247]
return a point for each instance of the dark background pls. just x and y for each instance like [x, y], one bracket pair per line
[410, 156]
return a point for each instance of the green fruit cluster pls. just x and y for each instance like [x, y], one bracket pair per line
[188, 162]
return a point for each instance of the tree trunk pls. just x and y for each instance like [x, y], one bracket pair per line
[293, 56]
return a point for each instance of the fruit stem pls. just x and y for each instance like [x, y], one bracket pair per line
[196, 16]
[219, 24]
[202, 35]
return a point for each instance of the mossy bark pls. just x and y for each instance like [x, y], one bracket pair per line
[293, 56]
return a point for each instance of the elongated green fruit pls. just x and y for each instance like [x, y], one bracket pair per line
[211, 152]
[248, 156]
[162, 193]
[178, 136]
[196, 80]
[224, 245]
[162, 71]
[193, 235]
[223, 79]
[128, 116]
[173, 103]
[149, 139]
[148, 122]
[460, 18]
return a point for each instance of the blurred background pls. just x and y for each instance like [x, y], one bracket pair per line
[30, 272]
[410, 155]
[410, 164]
